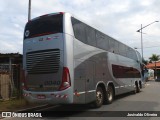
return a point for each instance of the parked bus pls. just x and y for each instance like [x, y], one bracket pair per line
[66, 61]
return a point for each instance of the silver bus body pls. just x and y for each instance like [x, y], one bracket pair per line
[61, 69]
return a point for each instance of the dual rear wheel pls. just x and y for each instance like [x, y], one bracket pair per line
[137, 88]
[103, 97]
[106, 97]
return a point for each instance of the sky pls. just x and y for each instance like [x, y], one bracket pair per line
[119, 19]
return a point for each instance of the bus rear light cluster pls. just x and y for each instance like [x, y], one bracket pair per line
[59, 96]
[66, 82]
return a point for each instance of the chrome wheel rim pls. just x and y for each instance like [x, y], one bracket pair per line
[110, 94]
[99, 97]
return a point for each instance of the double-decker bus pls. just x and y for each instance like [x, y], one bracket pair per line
[66, 61]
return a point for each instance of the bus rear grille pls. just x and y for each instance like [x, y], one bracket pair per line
[44, 61]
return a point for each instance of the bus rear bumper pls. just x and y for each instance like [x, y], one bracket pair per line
[60, 97]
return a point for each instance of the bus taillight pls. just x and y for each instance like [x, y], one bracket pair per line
[66, 82]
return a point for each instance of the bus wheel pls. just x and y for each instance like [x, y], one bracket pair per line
[110, 95]
[99, 97]
[137, 88]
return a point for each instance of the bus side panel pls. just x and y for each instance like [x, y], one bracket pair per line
[98, 66]
[90, 80]
[84, 72]
[125, 83]
[79, 81]
[90, 68]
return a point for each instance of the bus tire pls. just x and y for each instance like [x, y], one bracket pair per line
[135, 90]
[138, 88]
[110, 95]
[99, 98]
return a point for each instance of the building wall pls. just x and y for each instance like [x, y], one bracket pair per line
[10, 73]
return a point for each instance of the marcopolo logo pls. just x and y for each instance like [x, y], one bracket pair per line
[27, 33]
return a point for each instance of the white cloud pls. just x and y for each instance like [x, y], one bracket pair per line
[117, 18]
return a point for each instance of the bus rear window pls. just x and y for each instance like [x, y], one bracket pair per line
[45, 25]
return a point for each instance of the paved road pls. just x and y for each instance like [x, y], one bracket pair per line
[147, 100]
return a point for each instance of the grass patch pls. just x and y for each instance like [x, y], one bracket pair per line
[15, 104]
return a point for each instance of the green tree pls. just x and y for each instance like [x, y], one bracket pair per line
[154, 58]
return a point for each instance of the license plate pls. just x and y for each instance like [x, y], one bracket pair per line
[41, 96]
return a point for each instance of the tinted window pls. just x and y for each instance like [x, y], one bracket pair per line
[90, 35]
[134, 56]
[79, 30]
[122, 49]
[139, 56]
[125, 72]
[111, 45]
[131, 53]
[116, 47]
[102, 41]
[44, 25]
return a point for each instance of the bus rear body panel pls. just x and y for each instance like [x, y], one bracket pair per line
[47, 76]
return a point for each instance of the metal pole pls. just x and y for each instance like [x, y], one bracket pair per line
[155, 77]
[141, 42]
[140, 30]
[29, 10]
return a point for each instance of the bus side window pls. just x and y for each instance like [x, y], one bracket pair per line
[102, 41]
[90, 35]
[116, 49]
[122, 49]
[130, 52]
[111, 45]
[79, 30]
[134, 55]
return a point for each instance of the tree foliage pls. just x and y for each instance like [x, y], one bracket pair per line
[154, 58]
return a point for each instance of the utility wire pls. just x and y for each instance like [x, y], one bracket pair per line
[149, 47]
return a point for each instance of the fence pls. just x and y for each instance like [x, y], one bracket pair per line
[10, 75]
[5, 86]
